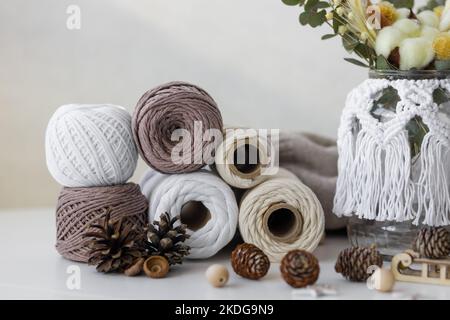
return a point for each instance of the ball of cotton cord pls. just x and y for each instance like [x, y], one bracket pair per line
[90, 145]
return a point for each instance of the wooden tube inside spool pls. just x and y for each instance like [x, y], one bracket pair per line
[283, 222]
[246, 161]
[194, 215]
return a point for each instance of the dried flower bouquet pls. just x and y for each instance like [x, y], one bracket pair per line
[385, 35]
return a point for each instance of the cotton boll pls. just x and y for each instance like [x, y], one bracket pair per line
[428, 18]
[429, 33]
[387, 40]
[415, 53]
[444, 25]
[407, 26]
[403, 13]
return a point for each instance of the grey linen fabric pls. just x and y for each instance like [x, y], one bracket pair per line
[313, 159]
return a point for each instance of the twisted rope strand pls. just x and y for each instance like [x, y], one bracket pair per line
[286, 189]
[160, 111]
[168, 193]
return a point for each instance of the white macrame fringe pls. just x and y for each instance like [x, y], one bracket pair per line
[376, 178]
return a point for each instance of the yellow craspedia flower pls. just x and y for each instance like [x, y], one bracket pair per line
[388, 14]
[438, 10]
[441, 46]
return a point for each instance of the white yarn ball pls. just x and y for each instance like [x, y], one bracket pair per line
[169, 193]
[90, 145]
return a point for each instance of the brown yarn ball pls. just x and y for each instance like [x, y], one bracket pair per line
[432, 242]
[171, 106]
[299, 268]
[249, 261]
[78, 208]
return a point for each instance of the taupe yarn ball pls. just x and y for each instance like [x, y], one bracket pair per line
[78, 208]
[171, 106]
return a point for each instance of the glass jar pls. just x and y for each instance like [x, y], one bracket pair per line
[389, 235]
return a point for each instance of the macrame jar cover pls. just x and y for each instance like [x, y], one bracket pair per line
[376, 178]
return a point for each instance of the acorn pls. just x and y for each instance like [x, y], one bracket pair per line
[156, 267]
[135, 268]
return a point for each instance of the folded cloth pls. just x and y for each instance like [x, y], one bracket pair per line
[313, 159]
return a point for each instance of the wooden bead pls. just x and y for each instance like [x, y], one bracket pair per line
[383, 280]
[217, 275]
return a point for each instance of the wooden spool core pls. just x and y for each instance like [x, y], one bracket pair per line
[195, 215]
[283, 222]
[246, 162]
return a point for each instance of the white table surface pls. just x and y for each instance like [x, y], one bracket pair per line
[32, 269]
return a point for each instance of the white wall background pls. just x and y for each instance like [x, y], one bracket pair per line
[254, 58]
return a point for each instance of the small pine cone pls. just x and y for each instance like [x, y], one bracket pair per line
[249, 261]
[433, 243]
[353, 263]
[299, 268]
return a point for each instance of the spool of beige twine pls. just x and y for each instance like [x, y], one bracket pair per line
[281, 214]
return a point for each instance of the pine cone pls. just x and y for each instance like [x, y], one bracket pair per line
[433, 243]
[299, 268]
[163, 239]
[113, 245]
[353, 263]
[249, 261]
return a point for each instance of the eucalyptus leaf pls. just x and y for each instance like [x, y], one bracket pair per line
[431, 4]
[383, 63]
[310, 4]
[402, 3]
[388, 99]
[329, 36]
[322, 5]
[442, 64]
[337, 22]
[304, 18]
[349, 43]
[441, 96]
[356, 62]
[317, 19]
[417, 130]
[291, 2]
[365, 52]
